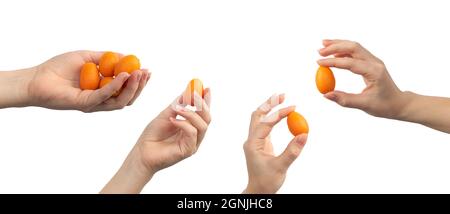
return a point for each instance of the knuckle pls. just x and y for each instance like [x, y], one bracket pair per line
[182, 155]
[203, 128]
[343, 102]
[354, 46]
[293, 154]
[85, 110]
[246, 146]
[349, 63]
[104, 96]
[192, 132]
[255, 113]
[379, 66]
[193, 151]
[208, 119]
[120, 106]
[378, 70]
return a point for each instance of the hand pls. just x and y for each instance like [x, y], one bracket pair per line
[267, 172]
[164, 142]
[167, 140]
[55, 84]
[381, 97]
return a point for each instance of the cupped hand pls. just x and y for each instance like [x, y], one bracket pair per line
[267, 172]
[55, 85]
[381, 97]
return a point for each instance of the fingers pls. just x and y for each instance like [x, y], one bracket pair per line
[198, 119]
[190, 132]
[266, 107]
[125, 96]
[101, 95]
[292, 151]
[354, 65]
[342, 55]
[327, 42]
[200, 125]
[144, 79]
[131, 88]
[263, 129]
[351, 48]
[348, 100]
[203, 106]
[207, 96]
[275, 117]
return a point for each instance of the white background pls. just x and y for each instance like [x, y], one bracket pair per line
[245, 51]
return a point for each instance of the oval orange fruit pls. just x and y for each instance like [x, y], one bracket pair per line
[325, 81]
[107, 63]
[194, 86]
[297, 124]
[127, 64]
[89, 76]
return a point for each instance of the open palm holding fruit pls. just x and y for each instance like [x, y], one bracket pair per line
[74, 81]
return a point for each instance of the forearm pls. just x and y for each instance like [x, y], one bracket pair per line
[131, 177]
[433, 112]
[14, 87]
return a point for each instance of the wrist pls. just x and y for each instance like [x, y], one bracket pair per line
[132, 176]
[403, 104]
[253, 188]
[14, 87]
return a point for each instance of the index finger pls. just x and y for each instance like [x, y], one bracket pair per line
[354, 65]
[265, 108]
[202, 105]
[351, 48]
[263, 129]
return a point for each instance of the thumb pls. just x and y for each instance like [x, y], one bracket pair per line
[347, 99]
[292, 151]
[101, 95]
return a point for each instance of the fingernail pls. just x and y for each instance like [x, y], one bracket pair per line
[178, 108]
[171, 119]
[208, 98]
[274, 100]
[124, 74]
